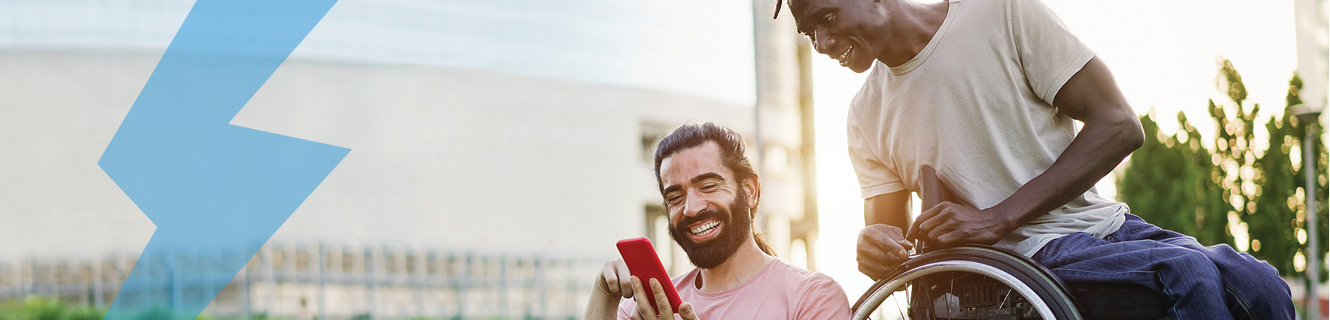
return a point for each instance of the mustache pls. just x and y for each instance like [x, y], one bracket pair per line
[709, 213]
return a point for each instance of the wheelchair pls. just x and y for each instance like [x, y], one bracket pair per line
[984, 282]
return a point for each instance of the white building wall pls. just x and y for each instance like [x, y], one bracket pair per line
[441, 157]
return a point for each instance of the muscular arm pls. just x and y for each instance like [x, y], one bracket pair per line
[1111, 132]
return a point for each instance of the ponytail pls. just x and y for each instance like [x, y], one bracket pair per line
[762, 244]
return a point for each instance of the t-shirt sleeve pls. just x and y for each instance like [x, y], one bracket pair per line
[1049, 53]
[824, 300]
[875, 178]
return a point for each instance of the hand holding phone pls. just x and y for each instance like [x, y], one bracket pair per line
[642, 262]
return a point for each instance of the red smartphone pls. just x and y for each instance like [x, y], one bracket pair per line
[642, 262]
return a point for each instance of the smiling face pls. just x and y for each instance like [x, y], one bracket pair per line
[708, 209]
[845, 30]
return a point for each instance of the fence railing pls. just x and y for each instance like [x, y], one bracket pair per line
[322, 280]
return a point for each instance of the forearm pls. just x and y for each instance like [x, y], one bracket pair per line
[1096, 150]
[889, 209]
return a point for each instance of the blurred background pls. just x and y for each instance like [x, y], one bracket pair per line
[500, 148]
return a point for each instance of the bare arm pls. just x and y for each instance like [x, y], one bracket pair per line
[889, 209]
[1111, 132]
[882, 243]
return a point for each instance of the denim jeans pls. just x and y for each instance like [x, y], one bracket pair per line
[1213, 282]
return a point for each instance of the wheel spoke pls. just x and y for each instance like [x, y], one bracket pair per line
[983, 273]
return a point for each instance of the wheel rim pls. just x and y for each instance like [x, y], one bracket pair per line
[904, 278]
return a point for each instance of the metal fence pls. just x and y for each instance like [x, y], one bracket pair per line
[326, 281]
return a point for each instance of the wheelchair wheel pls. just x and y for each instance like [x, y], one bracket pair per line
[969, 282]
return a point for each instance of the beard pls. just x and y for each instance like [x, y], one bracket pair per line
[736, 225]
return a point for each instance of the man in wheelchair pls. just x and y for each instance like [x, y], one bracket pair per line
[988, 93]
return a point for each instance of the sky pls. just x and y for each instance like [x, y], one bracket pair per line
[1164, 55]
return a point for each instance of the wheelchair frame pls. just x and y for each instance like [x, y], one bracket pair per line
[1047, 295]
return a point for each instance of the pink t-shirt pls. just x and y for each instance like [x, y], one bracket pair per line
[781, 291]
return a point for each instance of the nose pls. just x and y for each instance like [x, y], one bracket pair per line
[822, 43]
[693, 204]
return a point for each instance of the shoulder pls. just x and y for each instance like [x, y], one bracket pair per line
[804, 279]
[871, 93]
[1028, 12]
[815, 295]
[970, 9]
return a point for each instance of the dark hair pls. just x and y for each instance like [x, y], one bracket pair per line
[732, 156]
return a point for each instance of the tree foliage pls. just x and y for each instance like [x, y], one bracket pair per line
[1177, 183]
[1171, 184]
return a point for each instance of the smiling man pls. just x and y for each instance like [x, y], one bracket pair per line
[987, 92]
[711, 194]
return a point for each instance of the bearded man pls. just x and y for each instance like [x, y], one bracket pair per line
[711, 194]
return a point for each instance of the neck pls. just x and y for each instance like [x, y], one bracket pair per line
[910, 28]
[744, 265]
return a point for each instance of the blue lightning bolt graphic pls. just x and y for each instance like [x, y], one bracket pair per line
[211, 188]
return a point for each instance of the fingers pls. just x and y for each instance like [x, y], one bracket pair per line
[931, 220]
[686, 311]
[662, 301]
[884, 238]
[643, 303]
[610, 281]
[616, 274]
[625, 286]
[905, 243]
[880, 249]
[936, 233]
[946, 239]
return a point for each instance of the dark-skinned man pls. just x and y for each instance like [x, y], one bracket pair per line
[987, 92]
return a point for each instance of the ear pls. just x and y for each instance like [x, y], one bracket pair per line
[753, 189]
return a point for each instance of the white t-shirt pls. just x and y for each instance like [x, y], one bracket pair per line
[976, 104]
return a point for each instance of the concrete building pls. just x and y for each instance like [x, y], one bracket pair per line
[498, 148]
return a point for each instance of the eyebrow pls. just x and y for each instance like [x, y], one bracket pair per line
[698, 179]
[803, 27]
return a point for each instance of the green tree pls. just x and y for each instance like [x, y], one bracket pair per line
[1171, 183]
[1279, 218]
[1235, 144]
[1178, 184]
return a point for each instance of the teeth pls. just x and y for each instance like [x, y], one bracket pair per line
[705, 227]
[845, 55]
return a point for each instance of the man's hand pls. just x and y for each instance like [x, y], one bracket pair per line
[949, 224]
[881, 248]
[612, 284]
[644, 311]
[614, 280]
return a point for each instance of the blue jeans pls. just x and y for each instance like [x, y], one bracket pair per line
[1204, 282]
